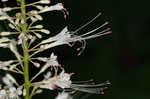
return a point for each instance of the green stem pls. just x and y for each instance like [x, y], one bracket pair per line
[26, 72]
[25, 51]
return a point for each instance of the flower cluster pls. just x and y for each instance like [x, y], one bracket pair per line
[9, 91]
[21, 38]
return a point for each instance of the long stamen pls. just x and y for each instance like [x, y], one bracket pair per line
[90, 90]
[95, 29]
[87, 23]
[107, 31]
[89, 86]
[81, 82]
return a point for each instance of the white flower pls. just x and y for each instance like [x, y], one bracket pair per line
[63, 95]
[47, 75]
[52, 61]
[9, 91]
[34, 16]
[66, 37]
[32, 39]
[14, 93]
[48, 83]
[59, 36]
[3, 64]
[62, 80]
[58, 6]
[13, 48]
[21, 37]
[9, 80]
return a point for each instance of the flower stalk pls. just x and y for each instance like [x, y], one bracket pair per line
[25, 51]
[26, 71]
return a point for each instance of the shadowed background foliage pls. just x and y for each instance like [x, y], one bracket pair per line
[122, 57]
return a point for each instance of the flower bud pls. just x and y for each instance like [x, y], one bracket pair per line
[45, 31]
[45, 1]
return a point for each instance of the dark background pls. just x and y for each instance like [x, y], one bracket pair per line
[122, 57]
